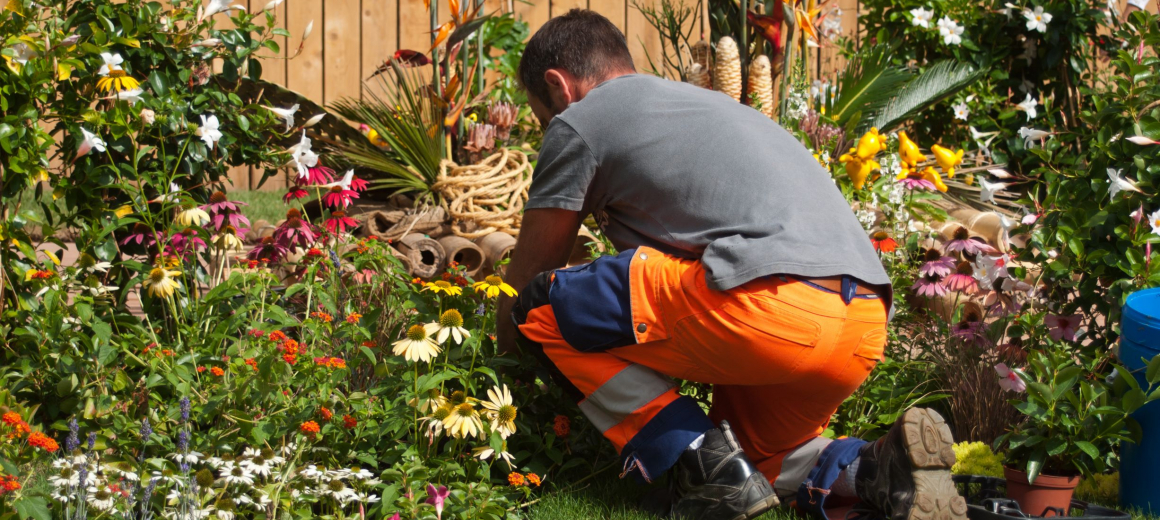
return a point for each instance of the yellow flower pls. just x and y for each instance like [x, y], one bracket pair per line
[161, 282]
[492, 285]
[908, 151]
[463, 422]
[857, 168]
[947, 160]
[228, 240]
[931, 175]
[417, 346]
[117, 80]
[869, 145]
[433, 400]
[501, 411]
[450, 325]
[123, 211]
[192, 216]
[443, 286]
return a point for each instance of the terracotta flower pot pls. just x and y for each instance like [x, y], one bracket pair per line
[1047, 491]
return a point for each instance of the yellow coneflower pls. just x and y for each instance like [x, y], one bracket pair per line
[161, 282]
[443, 286]
[463, 422]
[435, 421]
[117, 80]
[228, 240]
[492, 285]
[192, 216]
[431, 401]
[417, 346]
[450, 324]
[501, 411]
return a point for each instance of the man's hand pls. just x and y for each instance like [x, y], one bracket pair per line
[546, 240]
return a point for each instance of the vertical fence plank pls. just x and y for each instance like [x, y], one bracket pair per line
[535, 12]
[614, 10]
[380, 38]
[274, 70]
[343, 40]
[305, 75]
[643, 40]
[414, 25]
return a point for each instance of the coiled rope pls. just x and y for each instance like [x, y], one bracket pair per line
[488, 195]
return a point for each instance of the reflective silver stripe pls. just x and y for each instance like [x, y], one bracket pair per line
[626, 392]
[797, 465]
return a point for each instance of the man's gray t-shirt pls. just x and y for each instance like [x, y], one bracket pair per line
[692, 173]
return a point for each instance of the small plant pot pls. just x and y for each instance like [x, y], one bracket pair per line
[1048, 491]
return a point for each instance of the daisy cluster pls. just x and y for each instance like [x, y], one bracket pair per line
[462, 417]
[346, 488]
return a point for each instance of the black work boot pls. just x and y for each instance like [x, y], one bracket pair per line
[906, 474]
[718, 482]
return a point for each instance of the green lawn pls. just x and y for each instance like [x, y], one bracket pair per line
[263, 205]
[610, 498]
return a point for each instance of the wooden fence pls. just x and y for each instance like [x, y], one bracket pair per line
[351, 38]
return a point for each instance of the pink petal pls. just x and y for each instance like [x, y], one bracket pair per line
[1141, 140]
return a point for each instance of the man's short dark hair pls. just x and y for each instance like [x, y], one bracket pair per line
[582, 42]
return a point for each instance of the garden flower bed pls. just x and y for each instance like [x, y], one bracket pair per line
[194, 356]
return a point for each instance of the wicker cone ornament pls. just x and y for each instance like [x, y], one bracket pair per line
[761, 84]
[727, 72]
[699, 76]
[701, 54]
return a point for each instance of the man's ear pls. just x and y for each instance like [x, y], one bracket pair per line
[561, 89]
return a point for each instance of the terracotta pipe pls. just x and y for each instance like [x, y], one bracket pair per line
[496, 246]
[426, 255]
[463, 252]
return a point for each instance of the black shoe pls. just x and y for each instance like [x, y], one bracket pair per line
[718, 482]
[906, 474]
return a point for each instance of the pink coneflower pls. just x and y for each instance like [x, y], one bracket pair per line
[141, 234]
[970, 332]
[269, 250]
[929, 286]
[1062, 327]
[349, 182]
[961, 241]
[295, 231]
[225, 212]
[914, 181]
[338, 197]
[317, 175]
[294, 193]
[935, 264]
[963, 279]
[186, 241]
[339, 222]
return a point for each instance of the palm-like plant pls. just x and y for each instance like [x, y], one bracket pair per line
[936, 83]
[408, 119]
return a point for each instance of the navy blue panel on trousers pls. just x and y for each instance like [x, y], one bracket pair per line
[593, 303]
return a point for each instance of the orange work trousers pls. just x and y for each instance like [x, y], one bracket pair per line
[781, 354]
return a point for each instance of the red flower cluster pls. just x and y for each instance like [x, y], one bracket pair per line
[562, 426]
[290, 358]
[217, 371]
[19, 427]
[40, 440]
[277, 336]
[314, 252]
[253, 364]
[349, 422]
[257, 333]
[325, 413]
[8, 484]
[331, 362]
[310, 428]
[369, 344]
[37, 274]
[533, 479]
[353, 318]
[200, 369]
[322, 316]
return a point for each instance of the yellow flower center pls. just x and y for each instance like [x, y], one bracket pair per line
[117, 73]
[507, 413]
[157, 275]
[458, 397]
[416, 333]
[465, 410]
[442, 284]
[493, 280]
[451, 319]
[217, 197]
[441, 413]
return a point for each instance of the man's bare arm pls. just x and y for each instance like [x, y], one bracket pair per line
[546, 240]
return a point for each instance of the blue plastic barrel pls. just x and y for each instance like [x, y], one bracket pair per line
[1140, 342]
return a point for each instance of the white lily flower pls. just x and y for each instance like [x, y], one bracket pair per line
[1030, 134]
[272, 5]
[989, 190]
[209, 131]
[1141, 140]
[1154, 221]
[286, 114]
[302, 156]
[1000, 173]
[111, 62]
[961, 111]
[91, 141]
[213, 7]
[313, 120]
[1118, 183]
[1037, 20]
[922, 17]
[131, 95]
[23, 53]
[1028, 105]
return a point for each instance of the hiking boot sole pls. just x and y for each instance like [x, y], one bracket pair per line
[929, 445]
[759, 508]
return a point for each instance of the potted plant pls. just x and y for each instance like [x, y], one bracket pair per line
[1076, 412]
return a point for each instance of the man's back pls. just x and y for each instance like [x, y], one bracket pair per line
[692, 173]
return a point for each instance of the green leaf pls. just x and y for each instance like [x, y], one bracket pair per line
[940, 81]
[160, 86]
[868, 83]
[1035, 465]
[33, 507]
[1088, 448]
